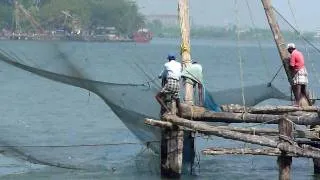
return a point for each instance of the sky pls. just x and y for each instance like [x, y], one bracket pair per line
[214, 13]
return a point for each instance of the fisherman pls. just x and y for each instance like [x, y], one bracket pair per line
[299, 74]
[170, 76]
[193, 75]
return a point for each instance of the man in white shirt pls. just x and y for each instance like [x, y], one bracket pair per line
[170, 76]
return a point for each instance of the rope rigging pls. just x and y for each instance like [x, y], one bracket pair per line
[79, 145]
[304, 40]
[296, 30]
[239, 52]
[264, 59]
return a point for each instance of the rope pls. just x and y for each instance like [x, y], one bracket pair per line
[274, 77]
[264, 59]
[299, 35]
[295, 29]
[81, 145]
[239, 53]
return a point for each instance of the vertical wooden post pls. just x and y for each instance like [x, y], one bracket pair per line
[171, 148]
[184, 18]
[316, 161]
[284, 162]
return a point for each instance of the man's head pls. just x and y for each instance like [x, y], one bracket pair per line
[171, 57]
[291, 47]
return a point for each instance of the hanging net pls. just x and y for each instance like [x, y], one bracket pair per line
[124, 76]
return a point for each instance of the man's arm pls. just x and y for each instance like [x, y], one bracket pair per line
[163, 72]
[292, 64]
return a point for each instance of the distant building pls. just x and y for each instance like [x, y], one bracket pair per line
[165, 19]
[317, 35]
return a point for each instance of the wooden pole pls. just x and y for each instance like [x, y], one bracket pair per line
[184, 17]
[284, 161]
[278, 38]
[185, 44]
[201, 114]
[253, 131]
[267, 109]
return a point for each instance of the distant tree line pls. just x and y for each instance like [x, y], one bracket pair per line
[216, 32]
[122, 14]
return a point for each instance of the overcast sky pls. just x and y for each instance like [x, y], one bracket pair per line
[222, 12]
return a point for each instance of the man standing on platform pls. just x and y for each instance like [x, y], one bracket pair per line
[299, 74]
[170, 76]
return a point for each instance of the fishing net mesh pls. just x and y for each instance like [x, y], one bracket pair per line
[124, 76]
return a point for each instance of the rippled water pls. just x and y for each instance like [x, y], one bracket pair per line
[77, 117]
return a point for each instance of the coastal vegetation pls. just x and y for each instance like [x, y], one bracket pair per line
[218, 32]
[54, 14]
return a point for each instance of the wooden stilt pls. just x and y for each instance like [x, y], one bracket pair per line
[171, 149]
[284, 161]
[171, 152]
[316, 161]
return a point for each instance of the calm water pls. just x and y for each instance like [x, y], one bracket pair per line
[77, 117]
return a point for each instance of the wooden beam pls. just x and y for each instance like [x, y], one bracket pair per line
[234, 108]
[260, 140]
[244, 151]
[253, 131]
[201, 114]
[161, 124]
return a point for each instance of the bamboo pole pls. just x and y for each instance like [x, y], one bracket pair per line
[184, 17]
